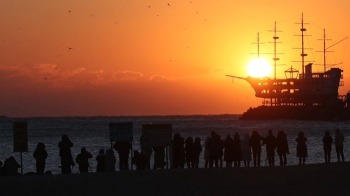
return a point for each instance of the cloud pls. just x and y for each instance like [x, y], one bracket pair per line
[48, 69]
[161, 78]
[127, 75]
[13, 71]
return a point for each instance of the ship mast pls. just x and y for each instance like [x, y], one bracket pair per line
[302, 43]
[324, 50]
[275, 59]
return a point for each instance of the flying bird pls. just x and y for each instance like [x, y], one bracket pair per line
[149, 6]
[168, 4]
[45, 78]
[69, 48]
[69, 11]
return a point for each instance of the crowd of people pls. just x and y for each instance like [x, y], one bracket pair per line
[184, 152]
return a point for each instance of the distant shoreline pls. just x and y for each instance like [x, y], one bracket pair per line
[124, 116]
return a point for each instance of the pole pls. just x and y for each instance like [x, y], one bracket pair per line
[167, 157]
[131, 166]
[21, 163]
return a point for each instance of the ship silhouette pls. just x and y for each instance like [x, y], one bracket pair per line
[305, 96]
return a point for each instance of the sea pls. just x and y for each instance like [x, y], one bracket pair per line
[93, 134]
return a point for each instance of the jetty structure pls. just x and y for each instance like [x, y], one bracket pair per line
[304, 96]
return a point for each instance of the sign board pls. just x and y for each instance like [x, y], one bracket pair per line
[157, 134]
[20, 137]
[120, 132]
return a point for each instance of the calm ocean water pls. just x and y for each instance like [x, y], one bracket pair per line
[92, 133]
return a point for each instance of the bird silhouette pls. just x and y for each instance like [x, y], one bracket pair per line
[69, 48]
[149, 6]
[69, 11]
[45, 78]
[168, 4]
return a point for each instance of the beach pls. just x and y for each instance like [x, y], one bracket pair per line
[314, 179]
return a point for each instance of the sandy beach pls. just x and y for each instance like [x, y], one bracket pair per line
[320, 179]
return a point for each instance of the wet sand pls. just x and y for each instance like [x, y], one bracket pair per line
[320, 179]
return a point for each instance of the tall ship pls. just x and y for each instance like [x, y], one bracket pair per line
[304, 95]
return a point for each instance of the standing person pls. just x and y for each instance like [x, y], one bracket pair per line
[237, 150]
[159, 156]
[282, 147]
[66, 155]
[338, 142]
[206, 152]
[301, 147]
[83, 160]
[139, 160]
[270, 142]
[101, 161]
[178, 151]
[214, 146]
[220, 149]
[246, 150]
[110, 161]
[123, 148]
[197, 149]
[327, 146]
[189, 152]
[146, 151]
[11, 166]
[40, 156]
[228, 153]
[255, 143]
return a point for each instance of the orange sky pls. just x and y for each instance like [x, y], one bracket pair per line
[131, 59]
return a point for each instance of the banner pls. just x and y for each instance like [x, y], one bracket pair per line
[20, 137]
[157, 134]
[120, 132]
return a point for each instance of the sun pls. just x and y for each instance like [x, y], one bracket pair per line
[258, 68]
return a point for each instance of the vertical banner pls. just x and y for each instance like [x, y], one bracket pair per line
[158, 135]
[20, 137]
[119, 132]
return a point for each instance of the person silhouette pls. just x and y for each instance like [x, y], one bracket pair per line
[255, 143]
[282, 147]
[197, 149]
[189, 152]
[11, 166]
[40, 156]
[83, 160]
[228, 153]
[66, 155]
[220, 149]
[101, 161]
[110, 161]
[270, 141]
[237, 150]
[139, 160]
[206, 152]
[327, 146]
[146, 151]
[338, 142]
[123, 149]
[214, 147]
[301, 147]
[159, 156]
[246, 150]
[178, 151]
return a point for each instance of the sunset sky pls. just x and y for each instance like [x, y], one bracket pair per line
[153, 57]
